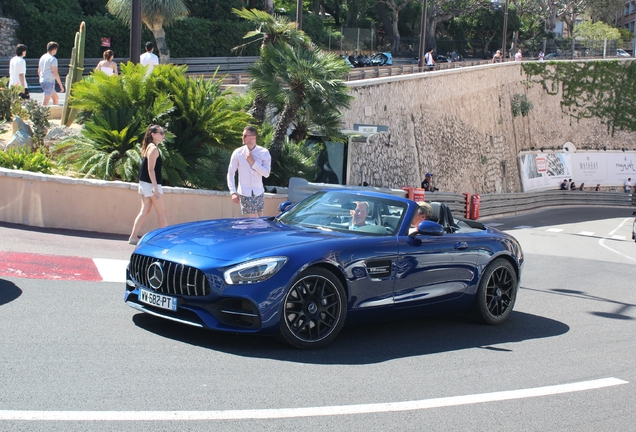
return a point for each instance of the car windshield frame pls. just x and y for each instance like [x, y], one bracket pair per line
[331, 211]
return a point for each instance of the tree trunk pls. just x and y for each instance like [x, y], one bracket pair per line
[286, 118]
[258, 109]
[431, 27]
[384, 17]
[160, 37]
[396, 35]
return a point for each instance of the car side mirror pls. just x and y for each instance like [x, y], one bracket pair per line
[284, 206]
[429, 228]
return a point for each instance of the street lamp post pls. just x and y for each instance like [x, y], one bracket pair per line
[423, 35]
[299, 14]
[135, 31]
[505, 31]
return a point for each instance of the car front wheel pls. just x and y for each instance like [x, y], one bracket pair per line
[314, 309]
[496, 294]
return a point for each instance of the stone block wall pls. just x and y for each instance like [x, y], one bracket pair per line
[8, 39]
[458, 124]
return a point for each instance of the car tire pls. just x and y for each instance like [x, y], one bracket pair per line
[496, 294]
[314, 309]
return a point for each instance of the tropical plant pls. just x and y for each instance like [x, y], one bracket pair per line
[133, 88]
[202, 124]
[270, 29]
[296, 160]
[107, 147]
[10, 101]
[39, 116]
[294, 76]
[26, 160]
[154, 14]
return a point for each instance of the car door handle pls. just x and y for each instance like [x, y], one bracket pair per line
[461, 245]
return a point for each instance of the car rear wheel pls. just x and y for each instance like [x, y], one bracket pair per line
[496, 294]
[314, 309]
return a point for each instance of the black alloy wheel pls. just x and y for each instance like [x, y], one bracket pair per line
[496, 294]
[314, 309]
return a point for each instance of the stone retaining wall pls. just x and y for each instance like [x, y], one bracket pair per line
[8, 39]
[458, 124]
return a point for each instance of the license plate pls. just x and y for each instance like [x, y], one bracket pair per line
[158, 300]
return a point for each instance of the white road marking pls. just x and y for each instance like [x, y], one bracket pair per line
[602, 241]
[617, 237]
[523, 227]
[494, 224]
[554, 230]
[111, 270]
[309, 411]
[586, 233]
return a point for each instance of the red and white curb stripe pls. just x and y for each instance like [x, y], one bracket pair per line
[38, 266]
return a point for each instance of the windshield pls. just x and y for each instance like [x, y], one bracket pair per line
[342, 211]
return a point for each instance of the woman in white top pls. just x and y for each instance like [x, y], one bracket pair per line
[108, 66]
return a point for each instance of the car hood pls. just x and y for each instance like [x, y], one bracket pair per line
[231, 239]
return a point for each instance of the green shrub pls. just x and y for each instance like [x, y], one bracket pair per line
[198, 37]
[26, 160]
[39, 116]
[10, 101]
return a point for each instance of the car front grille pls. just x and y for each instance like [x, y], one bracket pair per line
[177, 278]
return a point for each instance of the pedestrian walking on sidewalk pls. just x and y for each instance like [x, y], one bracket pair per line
[150, 181]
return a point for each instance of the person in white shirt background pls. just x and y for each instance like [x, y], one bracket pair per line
[47, 70]
[252, 162]
[149, 58]
[17, 68]
[628, 185]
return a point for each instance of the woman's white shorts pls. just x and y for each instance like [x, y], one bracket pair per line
[145, 189]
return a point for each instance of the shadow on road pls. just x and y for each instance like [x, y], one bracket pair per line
[65, 232]
[370, 343]
[8, 292]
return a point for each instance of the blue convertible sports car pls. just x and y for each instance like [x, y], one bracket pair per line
[305, 273]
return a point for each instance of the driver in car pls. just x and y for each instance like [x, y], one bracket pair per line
[359, 215]
[424, 211]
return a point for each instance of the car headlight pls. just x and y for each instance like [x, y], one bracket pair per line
[254, 271]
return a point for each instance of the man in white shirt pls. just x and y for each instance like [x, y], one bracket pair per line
[518, 56]
[628, 185]
[430, 61]
[17, 68]
[47, 70]
[252, 162]
[149, 58]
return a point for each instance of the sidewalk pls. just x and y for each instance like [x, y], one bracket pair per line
[40, 96]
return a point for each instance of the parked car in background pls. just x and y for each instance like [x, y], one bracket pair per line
[622, 53]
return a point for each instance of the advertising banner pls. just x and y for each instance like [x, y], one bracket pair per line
[544, 170]
[547, 170]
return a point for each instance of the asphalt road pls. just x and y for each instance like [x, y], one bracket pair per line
[75, 357]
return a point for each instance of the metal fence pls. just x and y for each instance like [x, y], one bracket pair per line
[495, 204]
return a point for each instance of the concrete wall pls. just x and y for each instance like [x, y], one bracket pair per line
[110, 207]
[458, 124]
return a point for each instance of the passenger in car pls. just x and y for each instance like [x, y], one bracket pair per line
[359, 215]
[424, 211]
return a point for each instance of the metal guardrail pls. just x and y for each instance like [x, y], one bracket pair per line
[232, 69]
[495, 204]
[498, 204]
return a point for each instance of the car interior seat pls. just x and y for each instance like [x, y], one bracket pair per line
[443, 216]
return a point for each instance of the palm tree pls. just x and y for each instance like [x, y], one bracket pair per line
[295, 76]
[155, 14]
[270, 29]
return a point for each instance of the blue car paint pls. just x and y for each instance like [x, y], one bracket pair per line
[437, 273]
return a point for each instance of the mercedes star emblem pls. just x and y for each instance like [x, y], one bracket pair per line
[155, 275]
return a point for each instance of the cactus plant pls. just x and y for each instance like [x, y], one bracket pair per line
[75, 71]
